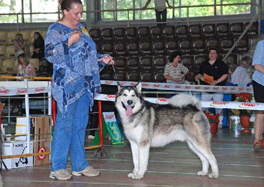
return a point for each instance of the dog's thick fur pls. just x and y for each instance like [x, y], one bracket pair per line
[148, 125]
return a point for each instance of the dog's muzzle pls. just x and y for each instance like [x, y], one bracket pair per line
[128, 107]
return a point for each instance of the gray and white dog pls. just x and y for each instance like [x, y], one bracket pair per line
[149, 125]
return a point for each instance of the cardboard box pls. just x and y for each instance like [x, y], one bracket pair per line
[17, 148]
[41, 126]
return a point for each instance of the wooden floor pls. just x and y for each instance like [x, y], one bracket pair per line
[173, 165]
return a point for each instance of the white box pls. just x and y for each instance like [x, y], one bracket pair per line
[17, 148]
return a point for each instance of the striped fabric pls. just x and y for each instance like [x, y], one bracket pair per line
[174, 72]
[160, 5]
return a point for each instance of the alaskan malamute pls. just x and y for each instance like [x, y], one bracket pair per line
[149, 125]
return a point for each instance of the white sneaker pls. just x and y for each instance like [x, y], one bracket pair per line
[90, 137]
[89, 171]
[61, 174]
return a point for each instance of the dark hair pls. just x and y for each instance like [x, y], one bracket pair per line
[232, 67]
[247, 59]
[174, 55]
[40, 37]
[215, 49]
[66, 4]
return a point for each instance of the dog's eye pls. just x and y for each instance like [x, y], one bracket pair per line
[133, 95]
[125, 95]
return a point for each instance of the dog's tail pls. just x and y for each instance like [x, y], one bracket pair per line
[182, 100]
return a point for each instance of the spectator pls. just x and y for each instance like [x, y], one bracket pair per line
[239, 75]
[160, 9]
[20, 45]
[258, 86]
[25, 68]
[38, 46]
[175, 72]
[213, 72]
[246, 62]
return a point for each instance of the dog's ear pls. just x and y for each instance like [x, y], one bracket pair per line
[139, 87]
[119, 86]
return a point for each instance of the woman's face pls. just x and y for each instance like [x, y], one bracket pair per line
[74, 15]
[21, 59]
[36, 36]
[213, 55]
[177, 59]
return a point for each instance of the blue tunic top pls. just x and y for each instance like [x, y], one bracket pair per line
[75, 68]
[259, 59]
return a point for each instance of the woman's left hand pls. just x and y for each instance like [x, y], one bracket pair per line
[107, 60]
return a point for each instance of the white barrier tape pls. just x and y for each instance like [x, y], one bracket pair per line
[184, 87]
[204, 104]
[22, 91]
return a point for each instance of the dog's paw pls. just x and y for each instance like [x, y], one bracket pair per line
[201, 173]
[135, 176]
[213, 176]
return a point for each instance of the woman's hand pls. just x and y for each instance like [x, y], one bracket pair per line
[107, 60]
[75, 37]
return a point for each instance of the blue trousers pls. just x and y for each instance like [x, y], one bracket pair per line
[69, 133]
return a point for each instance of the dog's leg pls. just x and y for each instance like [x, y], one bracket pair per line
[204, 148]
[205, 163]
[135, 156]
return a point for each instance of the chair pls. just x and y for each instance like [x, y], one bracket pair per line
[120, 64]
[27, 35]
[211, 43]
[107, 34]
[225, 44]
[10, 51]
[195, 31]
[2, 51]
[3, 37]
[159, 63]
[184, 46]
[198, 46]
[145, 64]
[95, 34]
[187, 61]
[131, 33]
[143, 33]
[106, 76]
[145, 48]
[9, 66]
[107, 48]
[222, 29]
[232, 58]
[181, 31]
[155, 33]
[190, 76]
[121, 76]
[168, 32]
[146, 77]
[35, 62]
[171, 46]
[11, 36]
[31, 49]
[198, 59]
[119, 34]
[132, 64]
[253, 30]
[119, 49]
[158, 77]
[158, 47]
[236, 29]
[132, 48]
[242, 46]
[43, 33]
[208, 30]
[133, 76]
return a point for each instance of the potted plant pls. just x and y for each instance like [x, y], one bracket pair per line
[243, 114]
[213, 120]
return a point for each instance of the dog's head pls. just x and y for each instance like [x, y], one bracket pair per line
[129, 99]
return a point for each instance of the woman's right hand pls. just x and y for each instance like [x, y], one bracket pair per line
[75, 37]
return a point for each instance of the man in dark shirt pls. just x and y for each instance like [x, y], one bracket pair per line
[213, 72]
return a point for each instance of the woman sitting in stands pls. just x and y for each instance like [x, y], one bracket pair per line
[25, 68]
[38, 46]
[20, 44]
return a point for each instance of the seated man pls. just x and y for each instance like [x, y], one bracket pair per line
[239, 75]
[175, 72]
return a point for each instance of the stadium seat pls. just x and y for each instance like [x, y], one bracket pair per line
[171, 46]
[143, 33]
[232, 58]
[187, 61]
[225, 44]
[132, 64]
[185, 46]
[242, 46]
[181, 31]
[146, 64]
[119, 49]
[10, 51]
[198, 46]
[3, 37]
[132, 48]
[119, 33]
[107, 48]
[9, 66]
[31, 49]
[190, 75]
[43, 33]
[107, 34]
[2, 51]
[159, 77]
[95, 34]
[106, 76]
[133, 76]
[208, 30]
[253, 30]
[222, 29]
[146, 77]
[131, 33]
[198, 59]
[211, 43]
[155, 33]
[120, 64]
[168, 32]
[236, 29]
[159, 63]
[158, 47]
[27, 35]
[121, 76]
[35, 62]
[145, 47]
[11, 36]
[195, 31]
